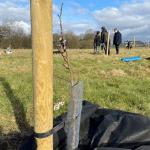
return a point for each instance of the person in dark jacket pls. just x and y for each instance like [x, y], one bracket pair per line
[104, 39]
[117, 40]
[95, 44]
[98, 42]
[129, 45]
[62, 43]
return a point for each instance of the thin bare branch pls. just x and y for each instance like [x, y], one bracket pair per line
[77, 82]
[64, 57]
[71, 74]
[79, 71]
[61, 78]
[65, 66]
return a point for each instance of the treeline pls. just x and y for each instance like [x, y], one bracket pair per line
[15, 36]
[82, 41]
[12, 34]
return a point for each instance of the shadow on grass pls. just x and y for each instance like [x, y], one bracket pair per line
[14, 139]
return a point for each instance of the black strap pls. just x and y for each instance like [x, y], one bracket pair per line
[55, 129]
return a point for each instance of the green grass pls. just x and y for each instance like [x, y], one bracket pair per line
[108, 81]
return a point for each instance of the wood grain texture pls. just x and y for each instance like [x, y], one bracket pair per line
[42, 46]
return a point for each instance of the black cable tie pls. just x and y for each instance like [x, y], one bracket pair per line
[55, 129]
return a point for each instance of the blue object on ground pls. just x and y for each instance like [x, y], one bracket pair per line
[131, 58]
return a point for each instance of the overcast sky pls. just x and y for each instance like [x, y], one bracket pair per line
[131, 17]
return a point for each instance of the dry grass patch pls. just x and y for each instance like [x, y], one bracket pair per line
[20, 68]
[1, 62]
[99, 61]
[148, 106]
[142, 72]
[145, 65]
[145, 72]
[132, 70]
[116, 72]
[135, 110]
[102, 72]
[121, 106]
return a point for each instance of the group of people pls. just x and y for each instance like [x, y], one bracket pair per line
[100, 40]
[103, 39]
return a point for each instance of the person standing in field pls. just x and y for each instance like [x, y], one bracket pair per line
[98, 42]
[117, 40]
[129, 45]
[95, 44]
[104, 40]
[64, 43]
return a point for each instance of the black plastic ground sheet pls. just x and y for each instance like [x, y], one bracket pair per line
[103, 129]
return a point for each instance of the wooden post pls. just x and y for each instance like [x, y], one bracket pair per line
[134, 42]
[42, 51]
[108, 42]
[148, 45]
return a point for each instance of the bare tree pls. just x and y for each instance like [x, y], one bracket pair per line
[66, 59]
[5, 31]
[83, 44]
[18, 34]
[72, 39]
[13, 34]
[80, 37]
[26, 43]
[55, 40]
[17, 38]
[89, 35]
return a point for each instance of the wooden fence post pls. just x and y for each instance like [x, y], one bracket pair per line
[42, 52]
[108, 42]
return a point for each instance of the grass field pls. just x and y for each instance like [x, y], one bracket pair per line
[108, 81]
